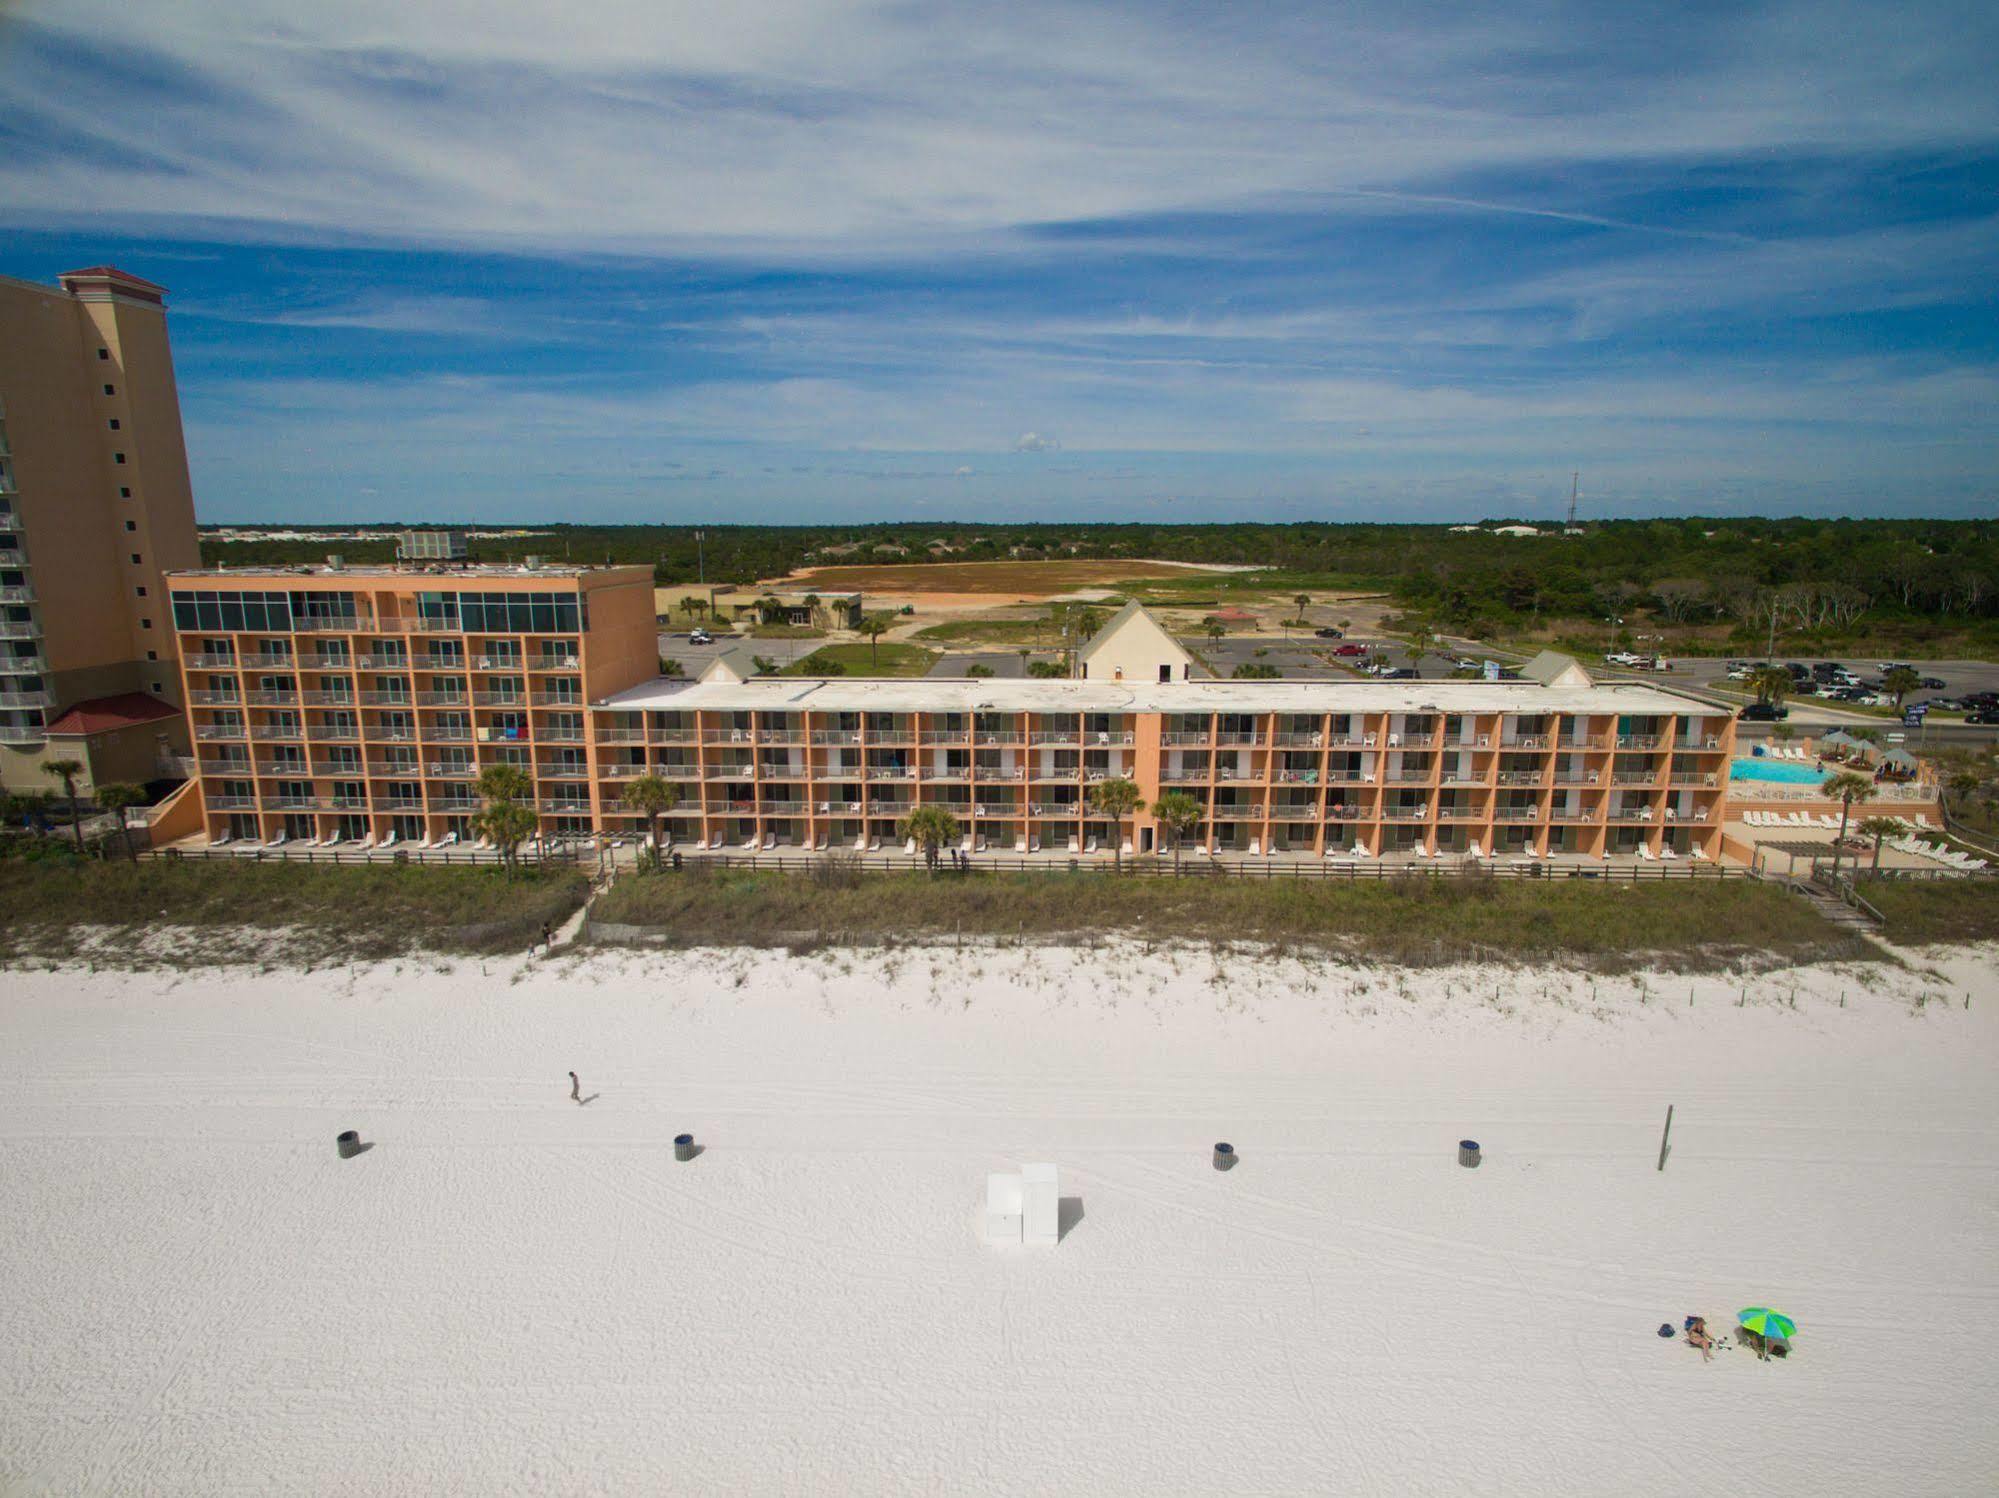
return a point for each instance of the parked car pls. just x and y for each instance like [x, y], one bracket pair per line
[1329, 633]
[1763, 712]
[1399, 673]
[1983, 715]
[1351, 649]
[1933, 684]
[700, 637]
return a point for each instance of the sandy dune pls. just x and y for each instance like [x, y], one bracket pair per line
[510, 1293]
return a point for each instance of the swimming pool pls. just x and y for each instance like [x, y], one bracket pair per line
[1768, 769]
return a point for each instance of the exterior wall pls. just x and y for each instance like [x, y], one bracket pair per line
[379, 721]
[80, 627]
[122, 755]
[1133, 650]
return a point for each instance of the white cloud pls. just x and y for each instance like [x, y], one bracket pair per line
[1034, 442]
[833, 128]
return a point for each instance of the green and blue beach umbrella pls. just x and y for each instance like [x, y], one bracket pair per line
[1767, 1324]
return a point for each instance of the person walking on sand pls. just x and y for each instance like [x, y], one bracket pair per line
[575, 1089]
[547, 939]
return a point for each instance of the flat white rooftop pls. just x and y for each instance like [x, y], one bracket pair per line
[955, 695]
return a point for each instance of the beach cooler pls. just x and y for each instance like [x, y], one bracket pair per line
[1003, 1207]
[1041, 1207]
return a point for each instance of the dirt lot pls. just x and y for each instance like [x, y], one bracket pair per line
[984, 582]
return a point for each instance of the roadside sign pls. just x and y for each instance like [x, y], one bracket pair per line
[1912, 717]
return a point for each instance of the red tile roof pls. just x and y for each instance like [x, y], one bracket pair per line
[110, 272]
[103, 714]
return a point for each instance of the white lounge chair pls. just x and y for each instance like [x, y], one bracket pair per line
[1666, 852]
[824, 839]
[1255, 846]
[770, 841]
[861, 843]
[1034, 843]
[389, 841]
[874, 845]
[1698, 856]
[222, 841]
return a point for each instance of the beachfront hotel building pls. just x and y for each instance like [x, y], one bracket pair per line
[362, 703]
[95, 506]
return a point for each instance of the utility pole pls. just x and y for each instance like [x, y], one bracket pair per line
[701, 554]
[1575, 488]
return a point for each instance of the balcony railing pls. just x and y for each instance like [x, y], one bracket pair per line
[374, 661]
[1517, 813]
[329, 699]
[232, 803]
[836, 736]
[1249, 811]
[212, 731]
[555, 663]
[265, 698]
[291, 731]
[19, 629]
[1639, 740]
[265, 660]
[215, 699]
[561, 807]
[569, 700]
[201, 662]
[1635, 777]
[1405, 813]
[452, 771]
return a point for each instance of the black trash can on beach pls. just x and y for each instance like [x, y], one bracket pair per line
[349, 1144]
[1468, 1153]
[683, 1147]
[1225, 1157]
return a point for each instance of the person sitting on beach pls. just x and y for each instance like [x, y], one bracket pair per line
[1697, 1337]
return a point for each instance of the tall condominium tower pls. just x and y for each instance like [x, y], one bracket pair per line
[95, 506]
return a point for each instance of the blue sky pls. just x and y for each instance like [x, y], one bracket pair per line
[803, 261]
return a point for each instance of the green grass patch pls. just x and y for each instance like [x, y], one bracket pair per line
[1916, 911]
[990, 632]
[50, 905]
[1682, 926]
[889, 658]
[787, 632]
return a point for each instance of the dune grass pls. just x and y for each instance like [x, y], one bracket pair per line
[1915, 911]
[53, 906]
[1416, 920]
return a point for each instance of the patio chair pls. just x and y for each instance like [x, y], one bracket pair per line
[1034, 843]
[1073, 847]
[1698, 856]
[909, 848]
[1666, 852]
[222, 841]
[874, 845]
[1255, 846]
[1089, 846]
[770, 841]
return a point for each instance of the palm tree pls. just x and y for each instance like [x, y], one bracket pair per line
[654, 797]
[1772, 684]
[1304, 602]
[1215, 628]
[30, 808]
[118, 800]
[508, 824]
[932, 827]
[1116, 800]
[812, 603]
[694, 605]
[1845, 788]
[66, 770]
[1416, 633]
[1899, 682]
[1880, 829]
[1179, 813]
[874, 626]
[505, 820]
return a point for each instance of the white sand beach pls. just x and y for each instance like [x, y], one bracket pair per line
[512, 1294]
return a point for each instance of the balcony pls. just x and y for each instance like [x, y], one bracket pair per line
[1517, 814]
[1696, 777]
[555, 735]
[500, 663]
[334, 733]
[328, 699]
[280, 660]
[21, 594]
[1522, 741]
[621, 771]
[562, 772]
[22, 665]
[1248, 811]
[513, 701]
[290, 732]
[375, 661]
[1298, 740]
[332, 624]
[1055, 736]
[438, 663]
[326, 663]
[556, 663]
[1405, 813]
[232, 803]
[836, 736]
[265, 697]
[16, 629]
[452, 771]
[432, 735]
[224, 766]
[295, 769]
[210, 662]
[215, 699]
[562, 807]
[1638, 740]
[1576, 777]
[621, 735]
[1460, 813]
[442, 699]
[455, 803]
[1522, 777]
[215, 731]
[13, 733]
[1635, 777]
[575, 703]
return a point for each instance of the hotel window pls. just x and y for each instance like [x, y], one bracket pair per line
[135, 560]
[131, 525]
[124, 492]
[110, 389]
[140, 590]
[104, 353]
[114, 423]
[232, 611]
[118, 457]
